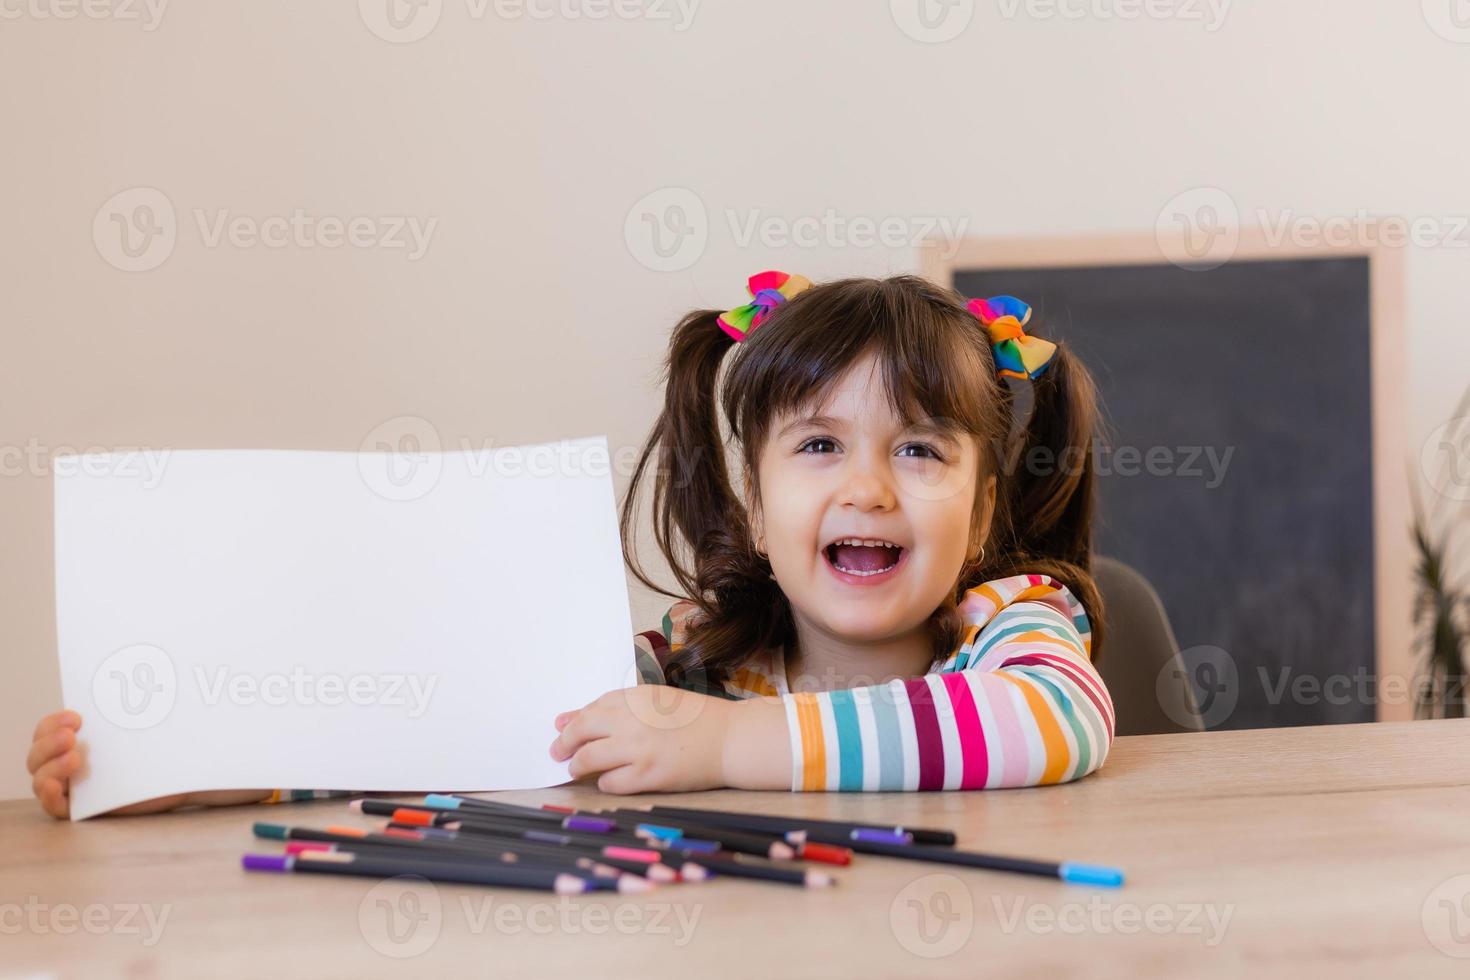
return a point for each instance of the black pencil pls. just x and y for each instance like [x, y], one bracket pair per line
[782, 824]
[348, 863]
[1089, 874]
[625, 881]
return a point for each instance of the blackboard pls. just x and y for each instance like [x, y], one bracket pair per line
[1251, 384]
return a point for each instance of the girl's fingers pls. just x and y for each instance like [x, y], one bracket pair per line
[622, 780]
[48, 747]
[59, 719]
[585, 726]
[51, 782]
[563, 718]
[54, 799]
[597, 756]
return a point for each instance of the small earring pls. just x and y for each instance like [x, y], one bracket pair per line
[760, 541]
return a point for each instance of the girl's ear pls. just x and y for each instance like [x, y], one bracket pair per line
[984, 514]
[753, 508]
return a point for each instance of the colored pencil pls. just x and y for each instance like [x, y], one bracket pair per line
[780, 824]
[738, 866]
[442, 801]
[1087, 874]
[653, 868]
[347, 863]
[604, 850]
[767, 844]
[427, 816]
[624, 881]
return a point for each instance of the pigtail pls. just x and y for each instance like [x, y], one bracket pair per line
[1047, 494]
[695, 506]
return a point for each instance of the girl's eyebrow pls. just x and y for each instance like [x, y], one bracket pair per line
[812, 421]
[928, 426]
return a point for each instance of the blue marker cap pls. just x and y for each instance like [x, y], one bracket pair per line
[662, 833]
[1090, 874]
[441, 802]
[881, 836]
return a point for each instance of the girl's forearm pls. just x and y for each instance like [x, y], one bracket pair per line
[757, 749]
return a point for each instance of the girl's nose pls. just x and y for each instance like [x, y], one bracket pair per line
[867, 487]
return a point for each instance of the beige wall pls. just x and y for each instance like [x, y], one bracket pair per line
[530, 316]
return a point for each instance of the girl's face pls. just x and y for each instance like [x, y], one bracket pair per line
[833, 485]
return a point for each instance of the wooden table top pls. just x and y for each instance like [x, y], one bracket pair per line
[1280, 852]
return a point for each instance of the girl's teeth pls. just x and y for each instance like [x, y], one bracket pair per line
[850, 571]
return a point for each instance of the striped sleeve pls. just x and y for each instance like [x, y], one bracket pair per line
[1019, 704]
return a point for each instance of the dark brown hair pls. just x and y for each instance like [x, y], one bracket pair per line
[937, 363]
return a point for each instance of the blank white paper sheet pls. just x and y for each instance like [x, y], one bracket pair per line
[241, 619]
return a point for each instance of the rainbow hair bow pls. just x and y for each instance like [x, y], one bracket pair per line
[768, 290]
[1017, 355]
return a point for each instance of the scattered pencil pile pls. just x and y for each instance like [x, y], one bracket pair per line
[552, 848]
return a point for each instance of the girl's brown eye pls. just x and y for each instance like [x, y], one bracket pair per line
[806, 446]
[933, 453]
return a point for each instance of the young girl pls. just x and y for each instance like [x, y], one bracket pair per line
[890, 600]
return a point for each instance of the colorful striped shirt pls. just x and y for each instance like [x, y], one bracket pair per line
[1017, 704]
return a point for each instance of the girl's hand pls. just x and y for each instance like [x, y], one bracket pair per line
[655, 738]
[56, 756]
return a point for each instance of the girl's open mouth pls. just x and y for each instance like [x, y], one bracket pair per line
[864, 561]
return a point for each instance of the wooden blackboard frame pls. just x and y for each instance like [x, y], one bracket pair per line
[1393, 559]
